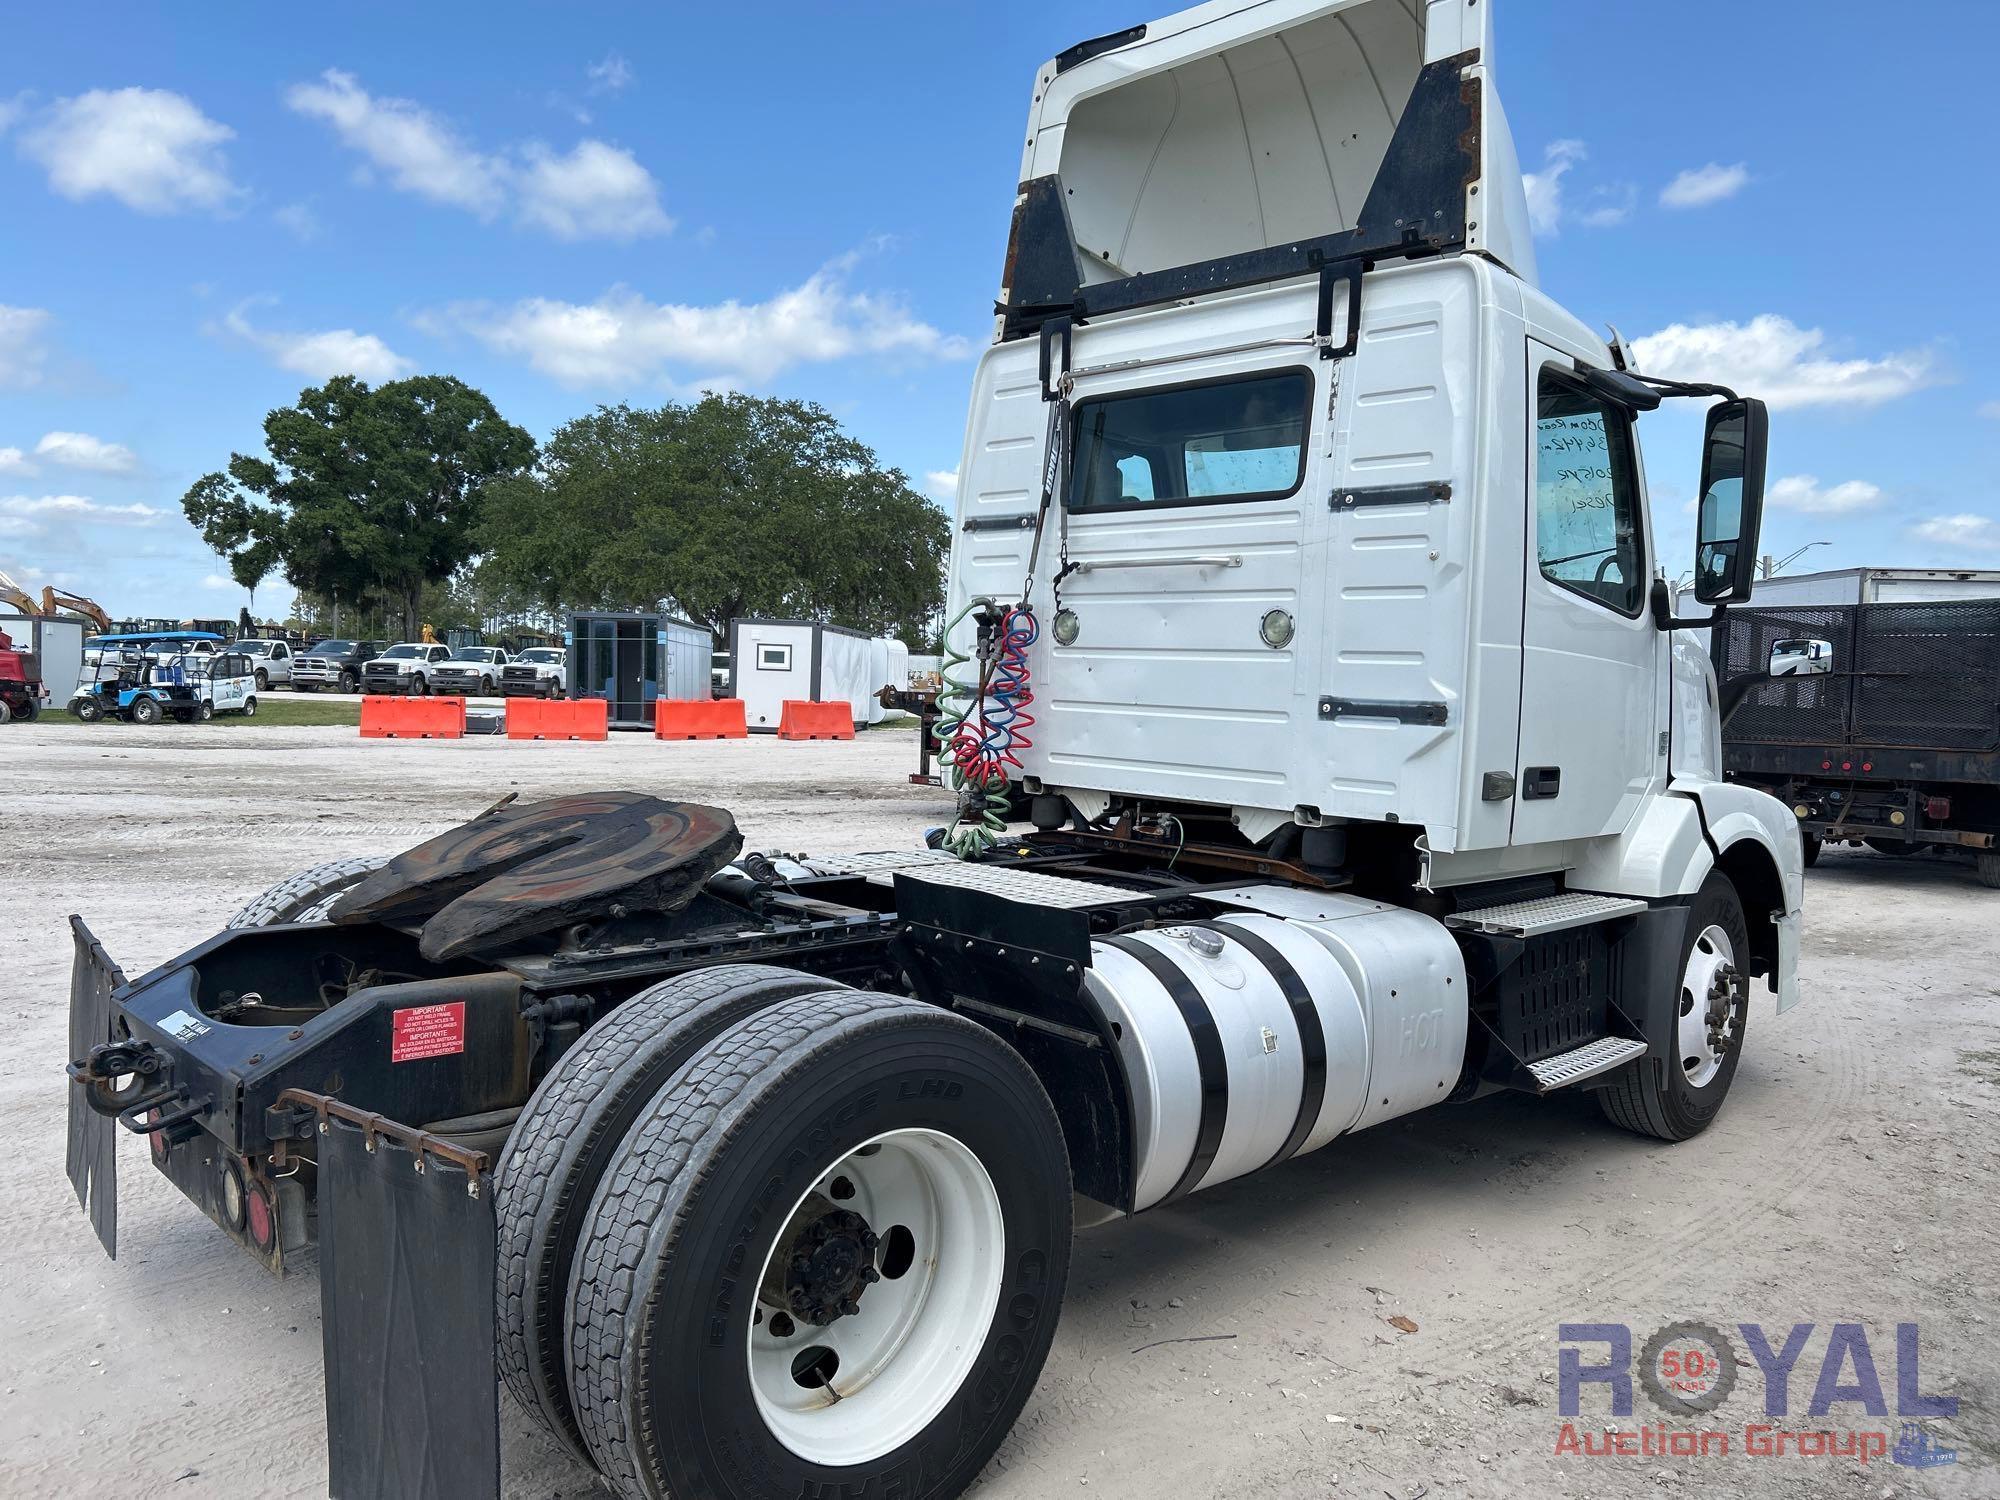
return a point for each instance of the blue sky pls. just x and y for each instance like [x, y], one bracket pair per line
[204, 209]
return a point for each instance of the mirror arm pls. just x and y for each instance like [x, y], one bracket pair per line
[1687, 388]
[1663, 611]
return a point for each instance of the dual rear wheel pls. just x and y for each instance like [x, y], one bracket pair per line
[761, 1234]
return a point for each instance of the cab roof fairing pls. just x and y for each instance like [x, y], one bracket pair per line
[1231, 128]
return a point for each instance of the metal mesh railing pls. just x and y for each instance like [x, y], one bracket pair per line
[1907, 675]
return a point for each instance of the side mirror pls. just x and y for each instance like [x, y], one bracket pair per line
[1801, 657]
[1732, 501]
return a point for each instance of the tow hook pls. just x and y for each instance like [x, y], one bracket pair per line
[131, 1082]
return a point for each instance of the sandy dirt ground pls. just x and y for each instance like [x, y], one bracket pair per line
[1852, 1178]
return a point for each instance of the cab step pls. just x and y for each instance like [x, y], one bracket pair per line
[1587, 1061]
[1544, 914]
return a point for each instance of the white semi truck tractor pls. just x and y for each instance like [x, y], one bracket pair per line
[1324, 749]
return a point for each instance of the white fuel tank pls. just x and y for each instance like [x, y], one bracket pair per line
[1268, 1032]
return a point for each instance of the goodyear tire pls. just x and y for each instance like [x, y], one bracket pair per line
[570, 1130]
[828, 1260]
[306, 896]
[1679, 1096]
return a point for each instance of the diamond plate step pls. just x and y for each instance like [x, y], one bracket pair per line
[1544, 914]
[1587, 1061]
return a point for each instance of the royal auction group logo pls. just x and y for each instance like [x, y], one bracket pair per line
[1690, 1369]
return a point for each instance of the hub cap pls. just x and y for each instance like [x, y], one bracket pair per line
[1710, 1000]
[876, 1297]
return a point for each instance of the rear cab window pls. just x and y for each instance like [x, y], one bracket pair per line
[1213, 442]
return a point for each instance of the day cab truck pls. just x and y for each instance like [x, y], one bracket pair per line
[1304, 594]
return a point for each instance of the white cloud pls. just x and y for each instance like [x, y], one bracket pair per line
[1991, 411]
[595, 192]
[622, 338]
[14, 461]
[299, 221]
[611, 75]
[418, 151]
[77, 505]
[1700, 186]
[219, 581]
[1545, 188]
[79, 450]
[1606, 207]
[1773, 358]
[12, 110]
[1979, 532]
[1802, 492]
[321, 356]
[941, 484]
[23, 352]
[152, 150]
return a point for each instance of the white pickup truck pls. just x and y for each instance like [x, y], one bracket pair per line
[538, 672]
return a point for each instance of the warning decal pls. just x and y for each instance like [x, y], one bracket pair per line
[427, 1031]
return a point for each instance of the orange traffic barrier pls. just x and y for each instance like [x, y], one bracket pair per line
[558, 719]
[386, 718]
[800, 720]
[700, 719]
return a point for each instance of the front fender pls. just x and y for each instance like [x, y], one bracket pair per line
[1738, 820]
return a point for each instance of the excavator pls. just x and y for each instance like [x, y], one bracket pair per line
[52, 601]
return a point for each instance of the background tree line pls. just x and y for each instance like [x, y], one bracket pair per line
[415, 501]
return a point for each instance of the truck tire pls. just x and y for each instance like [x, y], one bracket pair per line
[570, 1130]
[263, 681]
[347, 682]
[1989, 869]
[306, 896]
[850, 1191]
[1809, 845]
[1680, 1097]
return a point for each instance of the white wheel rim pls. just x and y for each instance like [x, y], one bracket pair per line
[902, 1355]
[1707, 1002]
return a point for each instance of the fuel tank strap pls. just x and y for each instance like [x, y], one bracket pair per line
[1305, 1015]
[1209, 1059]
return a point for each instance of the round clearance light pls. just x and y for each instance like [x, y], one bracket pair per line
[1277, 629]
[232, 1195]
[1067, 626]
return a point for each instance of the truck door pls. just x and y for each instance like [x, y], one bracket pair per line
[1590, 653]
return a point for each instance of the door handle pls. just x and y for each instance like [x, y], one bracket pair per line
[1230, 560]
[1539, 783]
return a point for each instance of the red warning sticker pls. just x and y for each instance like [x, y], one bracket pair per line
[427, 1031]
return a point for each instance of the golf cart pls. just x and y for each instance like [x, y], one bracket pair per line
[185, 675]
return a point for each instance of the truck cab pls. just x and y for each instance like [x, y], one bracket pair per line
[1333, 525]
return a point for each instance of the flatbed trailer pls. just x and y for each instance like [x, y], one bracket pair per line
[1886, 729]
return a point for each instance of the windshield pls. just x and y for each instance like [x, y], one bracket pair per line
[479, 653]
[543, 655]
[1225, 440]
[334, 648]
[402, 653]
[254, 648]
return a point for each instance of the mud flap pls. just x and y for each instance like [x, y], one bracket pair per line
[93, 1137]
[406, 1262]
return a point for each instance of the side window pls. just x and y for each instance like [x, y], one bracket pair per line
[774, 658]
[1587, 532]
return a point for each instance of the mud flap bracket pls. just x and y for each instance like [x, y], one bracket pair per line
[407, 1259]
